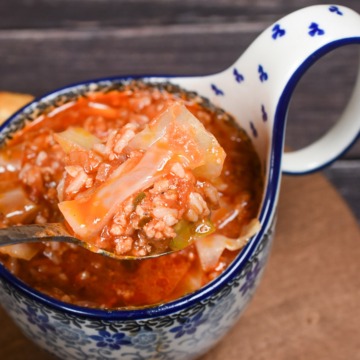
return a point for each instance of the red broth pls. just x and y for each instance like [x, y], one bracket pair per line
[32, 165]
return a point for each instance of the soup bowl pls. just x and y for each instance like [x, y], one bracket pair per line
[256, 90]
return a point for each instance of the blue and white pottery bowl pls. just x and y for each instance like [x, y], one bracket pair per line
[256, 90]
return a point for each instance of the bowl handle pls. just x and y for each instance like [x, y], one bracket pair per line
[333, 144]
[340, 26]
[277, 59]
[323, 28]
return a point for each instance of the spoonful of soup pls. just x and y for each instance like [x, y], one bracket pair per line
[134, 192]
[22, 235]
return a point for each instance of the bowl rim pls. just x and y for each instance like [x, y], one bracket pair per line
[159, 309]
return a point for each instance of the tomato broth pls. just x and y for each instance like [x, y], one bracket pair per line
[40, 171]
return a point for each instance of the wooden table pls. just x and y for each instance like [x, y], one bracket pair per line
[45, 44]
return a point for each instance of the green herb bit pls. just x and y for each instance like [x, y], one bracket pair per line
[184, 235]
[139, 198]
[187, 232]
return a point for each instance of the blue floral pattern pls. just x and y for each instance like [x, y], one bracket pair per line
[336, 10]
[264, 113]
[36, 317]
[217, 313]
[263, 76]
[251, 277]
[253, 130]
[315, 30]
[107, 339]
[217, 90]
[144, 340]
[277, 32]
[188, 325]
[70, 336]
[238, 76]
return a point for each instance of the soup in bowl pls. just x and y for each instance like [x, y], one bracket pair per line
[207, 189]
[67, 147]
[61, 165]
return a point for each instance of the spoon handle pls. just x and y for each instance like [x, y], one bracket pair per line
[34, 233]
[55, 232]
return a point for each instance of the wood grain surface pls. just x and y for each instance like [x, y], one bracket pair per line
[307, 304]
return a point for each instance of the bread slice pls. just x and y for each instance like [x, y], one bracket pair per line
[11, 102]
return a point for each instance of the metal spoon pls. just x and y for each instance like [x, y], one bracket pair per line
[57, 232]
